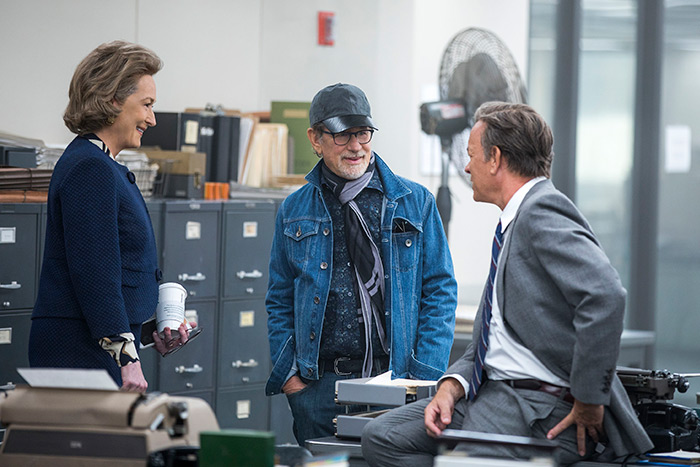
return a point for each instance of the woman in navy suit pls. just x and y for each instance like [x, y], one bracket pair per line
[99, 278]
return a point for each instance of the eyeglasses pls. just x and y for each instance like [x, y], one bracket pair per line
[341, 139]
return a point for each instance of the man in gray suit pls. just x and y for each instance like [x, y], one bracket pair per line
[551, 314]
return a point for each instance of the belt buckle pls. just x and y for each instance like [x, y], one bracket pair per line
[335, 366]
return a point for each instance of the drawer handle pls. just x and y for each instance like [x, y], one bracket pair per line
[11, 285]
[249, 275]
[197, 277]
[249, 364]
[193, 369]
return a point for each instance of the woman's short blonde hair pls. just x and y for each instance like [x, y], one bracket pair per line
[109, 73]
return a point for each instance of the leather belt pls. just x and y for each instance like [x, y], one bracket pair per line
[536, 385]
[344, 366]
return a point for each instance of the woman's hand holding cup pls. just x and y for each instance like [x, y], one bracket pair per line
[170, 340]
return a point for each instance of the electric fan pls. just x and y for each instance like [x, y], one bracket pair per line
[476, 67]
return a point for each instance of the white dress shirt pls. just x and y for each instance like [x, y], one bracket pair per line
[505, 357]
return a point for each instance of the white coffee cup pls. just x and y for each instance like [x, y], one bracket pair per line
[170, 312]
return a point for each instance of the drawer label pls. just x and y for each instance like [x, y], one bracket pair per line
[5, 335]
[192, 315]
[191, 131]
[242, 409]
[247, 319]
[250, 229]
[8, 234]
[193, 230]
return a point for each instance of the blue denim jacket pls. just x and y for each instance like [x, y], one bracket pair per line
[420, 293]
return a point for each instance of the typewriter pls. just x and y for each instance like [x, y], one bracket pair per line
[671, 427]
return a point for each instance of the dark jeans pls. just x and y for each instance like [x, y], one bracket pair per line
[314, 407]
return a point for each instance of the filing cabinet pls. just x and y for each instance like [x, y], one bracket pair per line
[190, 246]
[219, 251]
[243, 352]
[19, 230]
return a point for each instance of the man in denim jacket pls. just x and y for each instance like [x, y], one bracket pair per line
[361, 277]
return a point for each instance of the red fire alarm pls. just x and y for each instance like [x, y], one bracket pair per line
[326, 21]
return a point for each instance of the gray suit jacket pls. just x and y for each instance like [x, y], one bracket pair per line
[561, 298]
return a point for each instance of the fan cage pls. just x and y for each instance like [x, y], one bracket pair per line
[463, 46]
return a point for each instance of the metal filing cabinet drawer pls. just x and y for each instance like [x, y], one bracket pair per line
[192, 367]
[207, 396]
[247, 408]
[244, 354]
[190, 246]
[248, 228]
[19, 226]
[14, 341]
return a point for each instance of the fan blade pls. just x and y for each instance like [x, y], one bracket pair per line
[478, 80]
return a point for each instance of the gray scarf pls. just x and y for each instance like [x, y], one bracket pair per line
[364, 254]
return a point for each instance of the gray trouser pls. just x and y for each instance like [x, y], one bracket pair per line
[399, 437]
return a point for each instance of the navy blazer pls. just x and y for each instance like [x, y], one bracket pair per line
[100, 272]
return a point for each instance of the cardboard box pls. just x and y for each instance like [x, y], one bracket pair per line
[178, 162]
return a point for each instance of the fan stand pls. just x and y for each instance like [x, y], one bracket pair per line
[444, 197]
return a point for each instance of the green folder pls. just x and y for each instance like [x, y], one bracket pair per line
[296, 116]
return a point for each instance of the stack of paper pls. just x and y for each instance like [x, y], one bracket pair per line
[674, 458]
[267, 156]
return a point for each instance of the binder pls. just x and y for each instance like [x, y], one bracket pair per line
[225, 148]
[218, 137]
[166, 133]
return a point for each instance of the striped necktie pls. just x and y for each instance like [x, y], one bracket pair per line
[483, 343]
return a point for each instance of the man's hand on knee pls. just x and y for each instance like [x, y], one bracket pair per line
[438, 413]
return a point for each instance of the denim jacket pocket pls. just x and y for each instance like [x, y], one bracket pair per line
[406, 245]
[302, 234]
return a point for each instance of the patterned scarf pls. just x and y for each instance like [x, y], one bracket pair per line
[364, 254]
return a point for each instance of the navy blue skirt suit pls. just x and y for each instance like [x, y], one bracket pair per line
[100, 273]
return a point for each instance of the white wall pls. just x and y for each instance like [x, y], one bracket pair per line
[244, 53]
[211, 51]
[436, 23]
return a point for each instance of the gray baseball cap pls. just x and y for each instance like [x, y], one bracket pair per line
[339, 107]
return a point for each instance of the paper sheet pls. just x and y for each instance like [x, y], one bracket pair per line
[68, 378]
[385, 380]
